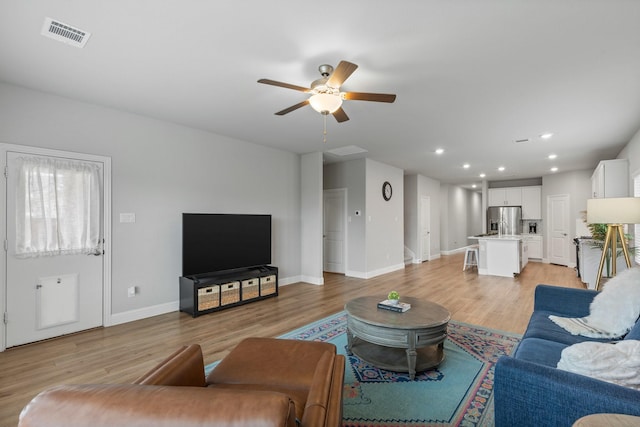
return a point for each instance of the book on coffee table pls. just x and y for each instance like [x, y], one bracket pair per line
[399, 307]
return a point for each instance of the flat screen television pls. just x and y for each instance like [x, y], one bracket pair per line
[219, 242]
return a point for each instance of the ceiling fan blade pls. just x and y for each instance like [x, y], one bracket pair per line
[286, 85]
[340, 115]
[341, 73]
[364, 96]
[292, 108]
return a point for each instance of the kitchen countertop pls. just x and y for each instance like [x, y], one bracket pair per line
[497, 237]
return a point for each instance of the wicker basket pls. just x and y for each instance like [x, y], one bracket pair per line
[208, 297]
[229, 293]
[268, 285]
[250, 288]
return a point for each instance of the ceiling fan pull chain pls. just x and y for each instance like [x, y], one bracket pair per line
[324, 133]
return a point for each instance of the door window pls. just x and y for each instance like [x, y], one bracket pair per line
[58, 207]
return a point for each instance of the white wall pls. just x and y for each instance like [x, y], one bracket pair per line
[461, 216]
[385, 220]
[311, 218]
[632, 152]
[375, 238]
[159, 171]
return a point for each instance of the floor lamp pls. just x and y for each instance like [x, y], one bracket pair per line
[614, 212]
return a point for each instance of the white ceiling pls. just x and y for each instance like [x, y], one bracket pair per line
[470, 76]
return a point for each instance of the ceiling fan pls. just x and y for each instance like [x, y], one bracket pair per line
[326, 97]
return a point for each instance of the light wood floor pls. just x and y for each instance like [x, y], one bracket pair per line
[121, 353]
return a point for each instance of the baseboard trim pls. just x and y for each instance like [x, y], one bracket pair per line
[311, 280]
[142, 313]
[374, 273]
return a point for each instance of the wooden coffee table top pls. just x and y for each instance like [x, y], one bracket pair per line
[422, 314]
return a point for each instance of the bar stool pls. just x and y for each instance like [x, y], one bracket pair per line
[470, 257]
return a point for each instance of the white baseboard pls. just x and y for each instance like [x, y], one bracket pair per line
[374, 273]
[431, 258]
[455, 251]
[312, 280]
[142, 313]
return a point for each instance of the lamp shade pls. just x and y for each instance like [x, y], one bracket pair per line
[325, 103]
[620, 210]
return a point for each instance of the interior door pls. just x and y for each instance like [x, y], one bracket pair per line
[334, 230]
[52, 295]
[425, 227]
[558, 248]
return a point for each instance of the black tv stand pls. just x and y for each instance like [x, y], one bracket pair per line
[206, 293]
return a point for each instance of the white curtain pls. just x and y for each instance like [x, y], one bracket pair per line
[58, 207]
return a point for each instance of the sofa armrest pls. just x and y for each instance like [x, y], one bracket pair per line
[324, 402]
[528, 394]
[185, 367]
[334, 408]
[568, 302]
[159, 406]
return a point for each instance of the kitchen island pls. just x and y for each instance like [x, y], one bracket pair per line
[501, 255]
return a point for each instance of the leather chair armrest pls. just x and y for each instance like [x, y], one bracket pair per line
[129, 405]
[185, 367]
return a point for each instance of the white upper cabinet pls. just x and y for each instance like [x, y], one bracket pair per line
[531, 202]
[511, 196]
[610, 179]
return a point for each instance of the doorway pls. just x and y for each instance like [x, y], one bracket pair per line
[558, 248]
[334, 231]
[65, 291]
[425, 228]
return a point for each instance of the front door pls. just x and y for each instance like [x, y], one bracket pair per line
[334, 230]
[425, 226]
[48, 296]
[559, 245]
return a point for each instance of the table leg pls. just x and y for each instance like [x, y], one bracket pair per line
[411, 362]
[349, 340]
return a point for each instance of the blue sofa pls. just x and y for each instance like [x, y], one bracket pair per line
[530, 391]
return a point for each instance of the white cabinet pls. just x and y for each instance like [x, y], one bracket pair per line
[527, 197]
[531, 201]
[534, 244]
[610, 179]
[511, 196]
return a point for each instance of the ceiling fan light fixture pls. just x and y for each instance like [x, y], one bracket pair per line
[325, 103]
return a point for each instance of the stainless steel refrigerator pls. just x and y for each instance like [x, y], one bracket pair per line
[504, 220]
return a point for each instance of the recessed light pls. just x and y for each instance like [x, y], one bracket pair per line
[439, 150]
[501, 168]
[466, 166]
[552, 156]
[473, 186]
[546, 135]
[482, 175]
[554, 169]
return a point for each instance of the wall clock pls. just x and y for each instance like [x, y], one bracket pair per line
[386, 191]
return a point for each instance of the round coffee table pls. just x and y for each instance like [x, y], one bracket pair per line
[411, 342]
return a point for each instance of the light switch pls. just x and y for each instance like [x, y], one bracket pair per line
[127, 217]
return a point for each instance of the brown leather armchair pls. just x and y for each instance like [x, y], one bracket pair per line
[262, 382]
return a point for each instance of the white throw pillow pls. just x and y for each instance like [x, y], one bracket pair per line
[615, 363]
[617, 308]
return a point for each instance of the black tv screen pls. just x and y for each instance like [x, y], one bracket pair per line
[218, 242]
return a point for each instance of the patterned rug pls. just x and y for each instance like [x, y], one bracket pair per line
[459, 392]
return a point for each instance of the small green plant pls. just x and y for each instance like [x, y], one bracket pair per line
[393, 295]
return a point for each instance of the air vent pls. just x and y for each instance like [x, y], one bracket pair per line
[347, 151]
[522, 141]
[64, 33]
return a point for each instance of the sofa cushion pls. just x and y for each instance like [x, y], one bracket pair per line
[537, 350]
[634, 333]
[540, 326]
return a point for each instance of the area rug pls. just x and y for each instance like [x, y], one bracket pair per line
[459, 392]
